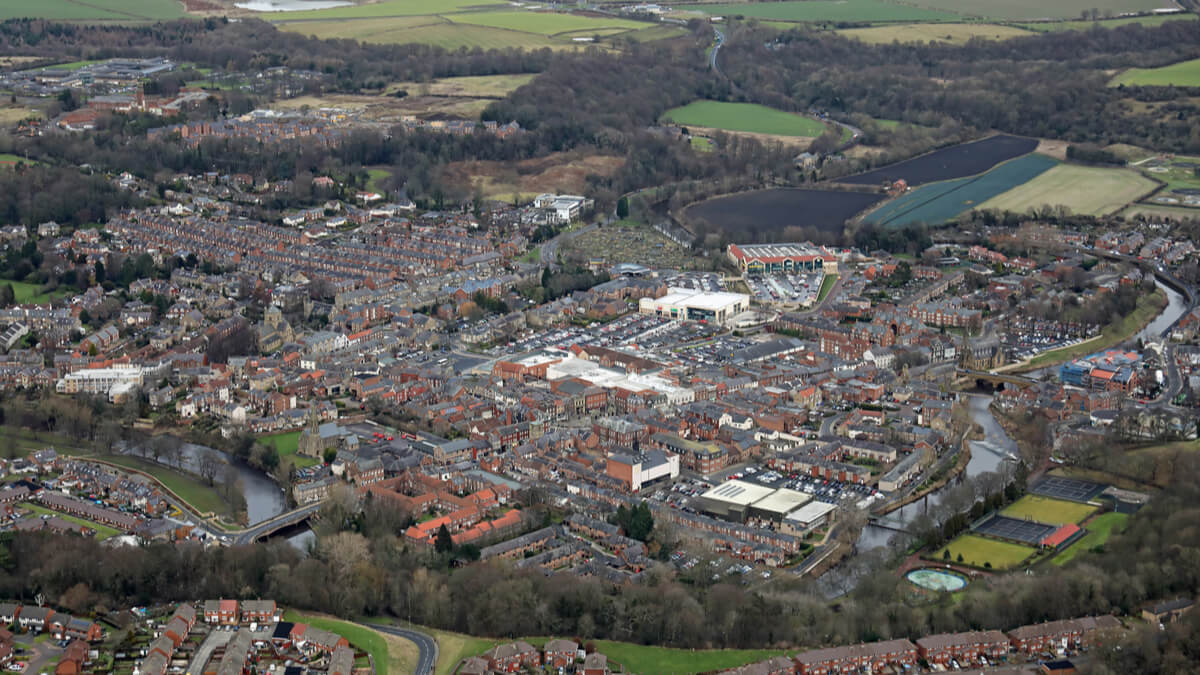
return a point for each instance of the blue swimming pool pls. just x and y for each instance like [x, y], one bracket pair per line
[937, 580]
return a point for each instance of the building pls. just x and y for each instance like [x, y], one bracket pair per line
[686, 304]
[874, 656]
[772, 258]
[114, 382]
[636, 470]
[807, 518]
[965, 648]
[224, 612]
[739, 501]
[907, 468]
[1103, 371]
[1167, 612]
[1056, 636]
[564, 208]
[513, 657]
[561, 653]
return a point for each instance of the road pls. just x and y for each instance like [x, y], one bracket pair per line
[249, 534]
[712, 55]
[549, 248]
[426, 645]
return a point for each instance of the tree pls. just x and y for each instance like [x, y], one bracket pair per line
[946, 554]
[960, 558]
[7, 295]
[623, 208]
[444, 542]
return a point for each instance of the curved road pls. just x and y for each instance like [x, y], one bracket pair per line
[426, 645]
[712, 55]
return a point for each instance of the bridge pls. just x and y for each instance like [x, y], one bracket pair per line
[268, 527]
[889, 524]
[995, 378]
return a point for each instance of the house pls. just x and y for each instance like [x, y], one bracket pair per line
[474, 666]
[224, 612]
[177, 630]
[341, 662]
[1060, 635]
[258, 611]
[82, 629]
[1167, 612]
[779, 665]
[73, 658]
[962, 647]
[9, 613]
[35, 619]
[6, 646]
[513, 657]
[187, 613]
[595, 664]
[561, 653]
[873, 656]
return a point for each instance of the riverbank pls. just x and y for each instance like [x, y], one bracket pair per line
[201, 501]
[960, 465]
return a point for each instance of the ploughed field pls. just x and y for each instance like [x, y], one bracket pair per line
[959, 161]
[750, 213]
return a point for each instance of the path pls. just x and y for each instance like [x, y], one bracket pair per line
[426, 645]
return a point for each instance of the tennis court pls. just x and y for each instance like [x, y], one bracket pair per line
[1024, 531]
[1067, 488]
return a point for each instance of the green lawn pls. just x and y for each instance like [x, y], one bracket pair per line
[1047, 510]
[7, 159]
[1114, 333]
[384, 9]
[701, 144]
[1148, 21]
[647, 659]
[827, 10]
[1099, 529]
[286, 443]
[977, 550]
[1086, 190]
[31, 294]
[192, 490]
[1182, 74]
[826, 286]
[376, 177]
[362, 638]
[547, 23]
[949, 33]
[102, 531]
[78, 10]
[749, 117]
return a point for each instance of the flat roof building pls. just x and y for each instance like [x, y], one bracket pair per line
[686, 304]
[737, 500]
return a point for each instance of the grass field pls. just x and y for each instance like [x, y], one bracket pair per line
[1099, 529]
[376, 177]
[645, 659]
[701, 144]
[826, 286]
[360, 637]
[1156, 211]
[387, 8]
[949, 33]
[749, 117]
[1114, 333]
[1047, 510]
[286, 443]
[102, 531]
[201, 497]
[938, 202]
[1182, 74]
[827, 10]
[1037, 9]
[429, 30]
[547, 23]
[977, 550]
[110, 10]
[7, 159]
[1148, 21]
[27, 293]
[1086, 190]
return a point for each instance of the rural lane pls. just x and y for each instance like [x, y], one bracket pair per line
[426, 645]
[712, 55]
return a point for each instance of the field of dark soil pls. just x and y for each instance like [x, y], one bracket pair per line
[756, 216]
[959, 161]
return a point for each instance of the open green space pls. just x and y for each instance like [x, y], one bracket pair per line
[938, 202]
[976, 551]
[749, 117]
[1047, 510]
[200, 496]
[826, 10]
[26, 441]
[648, 659]
[1114, 333]
[7, 159]
[1037, 9]
[1086, 190]
[701, 144]
[387, 8]
[81, 10]
[360, 637]
[102, 531]
[1182, 74]
[375, 178]
[1099, 529]
[547, 23]
[1150, 20]
[826, 286]
[949, 33]
[31, 294]
[287, 444]
[1178, 172]
[431, 30]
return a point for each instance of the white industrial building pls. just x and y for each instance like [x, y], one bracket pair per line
[565, 207]
[685, 304]
[115, 382]
[738, 500]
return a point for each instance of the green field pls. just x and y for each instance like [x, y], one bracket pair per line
[1086, 190]
[80, 10]
[31, 294]
[1114, 333]
[977, 550]
[286, 443]
[362, 638]
[7, 159]
[376, 177]
[440, 31]
[826, 286]
[1047, 510]
[1099, 529]
[1038, 9]
[1148, 21]
[386, 8]
[102, 531]
[192, 490]
[949, 33]
[547, 23]
[826, 10]
[749, 117]
[1182, 74]
[938, 202]
[645, 659]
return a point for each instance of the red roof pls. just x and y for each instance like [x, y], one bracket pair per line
[1060, 535]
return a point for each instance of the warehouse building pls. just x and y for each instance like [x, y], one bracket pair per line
[738, 501]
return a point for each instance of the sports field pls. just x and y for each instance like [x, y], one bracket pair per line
[977, 550]
[1086, 190]
[826, 10]
[1099, 529]
[1047, 510]
[938, 202]
[1182, 74]
[81, 10]
[1038, 9]
[947, 33]
[749, 117]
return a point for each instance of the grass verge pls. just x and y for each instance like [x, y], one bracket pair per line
[1099, 529]
[361, 637]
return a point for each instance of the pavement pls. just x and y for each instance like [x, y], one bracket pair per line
[426, 646]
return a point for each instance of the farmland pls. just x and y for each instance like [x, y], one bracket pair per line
[435, 31]
[1083, 189]
[1148, 21]
[1047, 510]
[958, 161]
[826, 10]
[481, 86]
[771, 211]
[948, 33]
[939, 202]
[1037, 9]
[976, 551]
[1182, 74]
[76, 10]
[747, 117]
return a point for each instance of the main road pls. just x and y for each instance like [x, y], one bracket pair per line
[426, 646]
